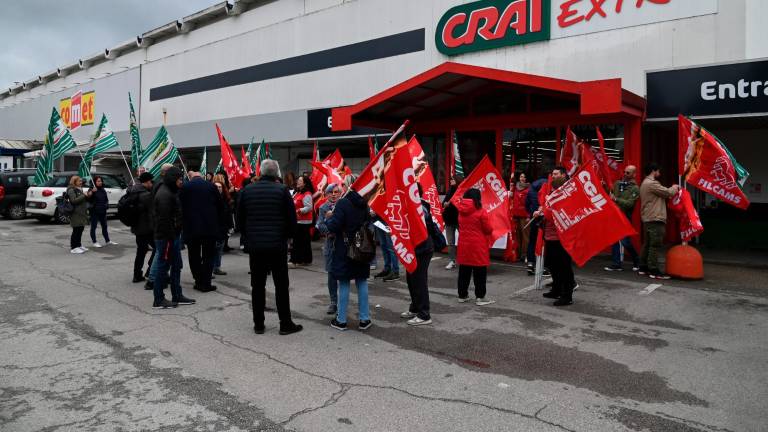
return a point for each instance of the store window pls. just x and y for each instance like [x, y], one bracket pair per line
[612, 133]
[434, 150]
[534, 150]
[474, 145]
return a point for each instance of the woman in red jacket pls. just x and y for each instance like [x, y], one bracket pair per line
[520, 216]
[472, 253]
[301, 254]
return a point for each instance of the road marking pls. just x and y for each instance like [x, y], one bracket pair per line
[436, 258]
[523, 291]
[649, 289]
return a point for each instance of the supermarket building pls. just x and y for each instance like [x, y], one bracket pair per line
[507, 75]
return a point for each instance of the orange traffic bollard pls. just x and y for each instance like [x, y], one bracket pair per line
[685, 262]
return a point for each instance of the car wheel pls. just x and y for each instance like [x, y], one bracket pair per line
[60, 218]
[17, 211]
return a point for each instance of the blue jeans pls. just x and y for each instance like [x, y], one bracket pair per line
[616, 252]
[362, 300]
[387, 251]
[333, 289]
[99, 218]
[168, 256]
[219, 252]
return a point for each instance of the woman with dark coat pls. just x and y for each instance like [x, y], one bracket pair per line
[225, 215]
[99, 205]
[418, 287]
[79, 216]
[473, 254]
[351, 212]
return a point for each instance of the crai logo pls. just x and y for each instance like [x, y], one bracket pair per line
[489, 24]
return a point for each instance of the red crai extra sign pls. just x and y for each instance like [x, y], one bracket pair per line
[575, 11]
[488, 24]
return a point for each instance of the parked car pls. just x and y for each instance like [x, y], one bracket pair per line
[13, 192]
[41, 200]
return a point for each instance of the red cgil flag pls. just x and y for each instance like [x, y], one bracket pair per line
[708, 165]
[371, 150]
[587, 220]
[486, 178]
[371, 179]
[246, 167]
[683, 217]
[569, 154]
[335, 160]
[330, 175]
[399, 205]
[229, 161]
[427, 181]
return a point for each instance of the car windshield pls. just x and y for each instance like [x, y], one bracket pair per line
[57, 181]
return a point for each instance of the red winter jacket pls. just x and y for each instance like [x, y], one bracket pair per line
[518, 202]
[474, 235]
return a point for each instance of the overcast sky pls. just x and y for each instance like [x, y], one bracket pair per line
[41, 35]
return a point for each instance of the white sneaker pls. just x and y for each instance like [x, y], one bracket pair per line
[451, 265]
[484, 301]
[464, 300]
[407, 314]
[85, 249]
[112, 242]
[97, 245]
[416, 321]
[77, 250]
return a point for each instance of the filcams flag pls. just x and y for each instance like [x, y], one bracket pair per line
[372, 177]
[495, 197]
[160, 151]
[371, 149]
[44, 164]
[708, 165]
[399, 205]
[60, 139]
[103, 140]
[204, 163]
[133, 126]
[586, 219]
[457, 169]
[683, 217]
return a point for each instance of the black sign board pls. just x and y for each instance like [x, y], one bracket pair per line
[732, 89]
[319, 125]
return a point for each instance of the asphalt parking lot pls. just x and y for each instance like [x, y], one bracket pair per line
[82, 349]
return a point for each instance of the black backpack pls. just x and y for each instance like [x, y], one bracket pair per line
[128, 209]
[361, 246]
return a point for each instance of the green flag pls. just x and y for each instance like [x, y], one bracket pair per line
[160, 151]
[103, 140]
[60, 139]
[263, 153]
[135, 137]
[204, 163]
[218, 168]
[44, 164]
[458, 168]
[251, 155]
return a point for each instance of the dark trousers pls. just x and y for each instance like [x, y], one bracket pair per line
[168, 260]
[143, 243]
[478, 274]
[99, 218]
[654, 242]
[417, 286]
[302, 245]
[558, 262]
[263, 262]
[76, 239]
[201, 253]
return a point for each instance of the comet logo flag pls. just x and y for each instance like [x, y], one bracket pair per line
[486, 178]
[708, 165]
[580, 208]
[399, 205]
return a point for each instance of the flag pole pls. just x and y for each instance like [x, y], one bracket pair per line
[133, 180]
[87, 168]
[178, 152]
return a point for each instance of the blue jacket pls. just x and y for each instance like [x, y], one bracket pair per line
[99, 201]
[201, 207]
[350, 213]
[532, 199]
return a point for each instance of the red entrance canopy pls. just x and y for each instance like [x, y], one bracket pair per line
[476, 95]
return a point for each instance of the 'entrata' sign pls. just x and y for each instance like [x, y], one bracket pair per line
[722, 90]
[488, 24]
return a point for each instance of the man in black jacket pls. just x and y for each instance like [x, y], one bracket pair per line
[267, 218]
[451, 219]
[143, 228]
[168, 223]
[200, 205]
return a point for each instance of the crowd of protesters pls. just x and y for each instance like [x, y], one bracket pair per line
[278, 216]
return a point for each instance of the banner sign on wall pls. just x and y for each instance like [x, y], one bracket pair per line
[488, 24]
[78, 110]
[722, 90]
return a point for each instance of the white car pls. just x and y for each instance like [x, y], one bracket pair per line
[41, 200]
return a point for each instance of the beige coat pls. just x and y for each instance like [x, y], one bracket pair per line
[653, 200]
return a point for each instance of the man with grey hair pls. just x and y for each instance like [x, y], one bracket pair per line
[267, 218]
